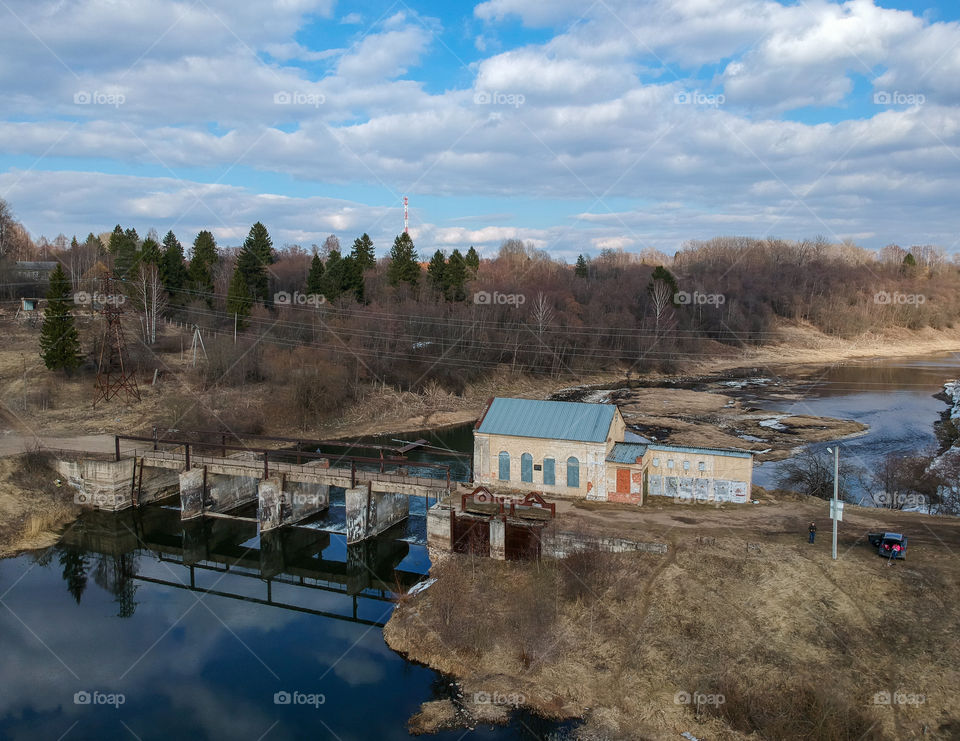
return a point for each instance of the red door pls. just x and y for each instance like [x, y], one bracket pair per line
[623, 481]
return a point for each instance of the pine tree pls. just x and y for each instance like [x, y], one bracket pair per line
[239, 300]
[404, 267]
[150, 252]
[473, 260]
[436, 269]
[59, 341]
[252, 261]
[123, 248]
[455, 277]
[364, 253]
[910, 261]
[315, 276]
[331, 282]
[351, 281]
[173, 271]
[204, 257]
[581, 271]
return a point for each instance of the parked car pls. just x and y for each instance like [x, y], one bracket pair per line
[889, 545]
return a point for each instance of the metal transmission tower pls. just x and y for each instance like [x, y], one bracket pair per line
[113, 375]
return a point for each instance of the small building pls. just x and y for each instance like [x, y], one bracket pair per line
[682, 473]
[35, 271]
[578, 449]
[558, 447]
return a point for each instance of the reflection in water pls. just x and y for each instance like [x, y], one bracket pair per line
[216, 622]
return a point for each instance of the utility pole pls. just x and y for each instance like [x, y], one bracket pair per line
[836, 508]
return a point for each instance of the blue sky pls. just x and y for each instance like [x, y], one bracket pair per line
[634, 124]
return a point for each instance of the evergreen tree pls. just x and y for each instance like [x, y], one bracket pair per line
[173, 271]
[331, 282]
[123, 248]
[94, 243]
[581, 271]
[315, 276]
[473, 260]
[436, 269]
[660, 273]
[351, 281]
[204, 257]
[74, 243]
[404, 267]
[239, 300]
[909, 261]
[252, 261]
[363, 252]
[455, 277]
[59, 341]
[150, 252]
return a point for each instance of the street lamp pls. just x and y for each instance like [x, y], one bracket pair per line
[835, 511]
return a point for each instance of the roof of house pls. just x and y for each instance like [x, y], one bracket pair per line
[701, 451]
[626, 452]
[553, 420]
[33, 265]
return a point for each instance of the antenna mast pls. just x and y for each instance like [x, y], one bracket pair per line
[113, 373]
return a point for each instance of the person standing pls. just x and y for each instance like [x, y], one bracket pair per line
[812, 530]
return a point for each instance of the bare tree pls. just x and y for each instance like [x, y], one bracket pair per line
[6, 228]
[150, 299]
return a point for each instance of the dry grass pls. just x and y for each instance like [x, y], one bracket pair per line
[33, 510]
[797, 644]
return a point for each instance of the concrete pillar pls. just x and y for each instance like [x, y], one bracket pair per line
[285, 503]
[191, 493]
[369, 512]
[498, 539]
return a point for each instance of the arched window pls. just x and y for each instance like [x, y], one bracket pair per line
[573, 473]
[526, 467]
[504, 465]
[549, 472]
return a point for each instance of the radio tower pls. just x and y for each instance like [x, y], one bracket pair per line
[112, 374]
[406, 217]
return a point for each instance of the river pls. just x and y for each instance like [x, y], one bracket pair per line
[197, 628]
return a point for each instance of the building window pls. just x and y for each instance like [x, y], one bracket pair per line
[701, 466]
[656, 463]
[504, 466]
[526, 468]
[573, 473]
[670, 463]
[686, 465]
[549, 471]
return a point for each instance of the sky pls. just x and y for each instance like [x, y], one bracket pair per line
[573, 126]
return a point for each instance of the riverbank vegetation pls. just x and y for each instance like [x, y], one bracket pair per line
[33, 509]
[774, 638]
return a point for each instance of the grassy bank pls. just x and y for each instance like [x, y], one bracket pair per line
[796, 645]
[33, 510]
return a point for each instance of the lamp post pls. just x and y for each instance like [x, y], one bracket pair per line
[835, 511]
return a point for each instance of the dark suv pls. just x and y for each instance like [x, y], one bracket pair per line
[889, 545]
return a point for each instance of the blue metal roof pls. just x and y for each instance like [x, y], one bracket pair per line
[552, 420]
[626, 453]
[701, 451]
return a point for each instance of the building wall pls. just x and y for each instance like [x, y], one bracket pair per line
[636, 472]
[592, 456]
[724, 478]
